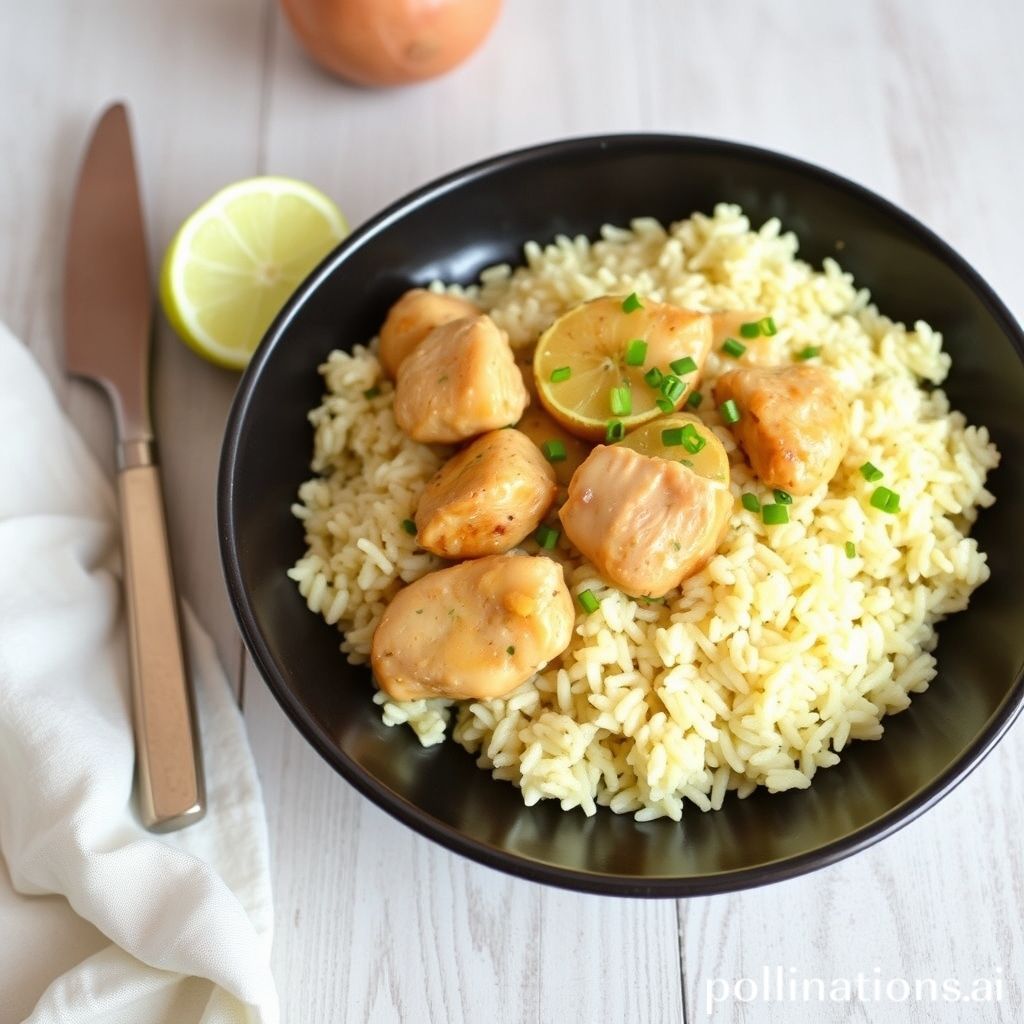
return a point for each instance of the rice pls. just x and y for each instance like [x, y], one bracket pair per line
[765, 665]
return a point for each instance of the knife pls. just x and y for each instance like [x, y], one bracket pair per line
[108, 308]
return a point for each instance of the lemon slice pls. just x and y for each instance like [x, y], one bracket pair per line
[594, 364]
[675, 437]
[235, 262]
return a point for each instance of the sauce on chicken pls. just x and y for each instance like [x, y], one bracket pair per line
[411, 319]
[646, 524]
[487, 498]
[479, 629]
[460, 381]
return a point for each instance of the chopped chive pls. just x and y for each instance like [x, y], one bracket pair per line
[730, 411]
[654, 377]
[671, 437]
[636, 352]
[672, 388]
[560, 374]
[621, 401]
[554, 450]
[614, 431]
[811, 352]
[683, 366]
[510, 650]
[547, 537]
[587, 601]
[371, 392]
[851, 549]
[734, 348]
[767, 326]
[409, 526]
[693, 441]
[871, 473]
[750, 502]
[774, 515]
[664, 405]
[631, 302]
[886, 500]
[695, 399]
[750, 330]
[687, 463]
[783, 497]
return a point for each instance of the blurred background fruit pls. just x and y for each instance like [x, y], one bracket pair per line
[390, 42]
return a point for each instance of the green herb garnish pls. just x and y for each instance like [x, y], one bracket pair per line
[683, 366]
[621, 401]
[554, 450]
[886, 500]
[730, 411]
[636, 352]
[547, 537]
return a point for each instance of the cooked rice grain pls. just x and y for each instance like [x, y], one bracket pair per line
[782, 649]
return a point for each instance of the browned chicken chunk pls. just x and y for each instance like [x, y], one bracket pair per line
[645, 523]
[487, 498]
[460, 381]
[794, 423]
[412, 318]
[476, 630]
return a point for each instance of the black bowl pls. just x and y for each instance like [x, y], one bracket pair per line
[451, 230]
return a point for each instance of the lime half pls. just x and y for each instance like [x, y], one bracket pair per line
[235, 262]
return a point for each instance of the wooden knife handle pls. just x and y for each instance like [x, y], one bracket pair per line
[169, 763]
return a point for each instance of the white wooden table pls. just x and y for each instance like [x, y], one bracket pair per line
[918, 101]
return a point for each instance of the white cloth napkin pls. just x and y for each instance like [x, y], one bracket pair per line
[188, 915]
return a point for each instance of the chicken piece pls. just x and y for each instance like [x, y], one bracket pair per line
[475, 630]
[412, 318]
[487, 498]
[460, 381]
[794, 423]
[645, 524]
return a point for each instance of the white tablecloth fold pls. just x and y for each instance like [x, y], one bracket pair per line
[189, 914]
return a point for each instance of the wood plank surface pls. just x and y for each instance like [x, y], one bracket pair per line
[917, 101]
[191, 74]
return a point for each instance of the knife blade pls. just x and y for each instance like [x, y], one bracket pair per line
[108, 307]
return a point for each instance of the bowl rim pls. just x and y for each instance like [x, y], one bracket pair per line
[409, 813]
